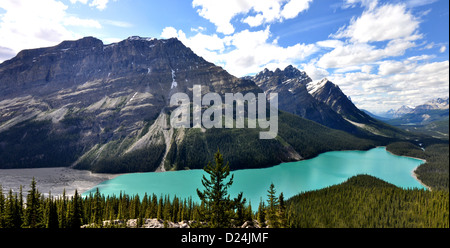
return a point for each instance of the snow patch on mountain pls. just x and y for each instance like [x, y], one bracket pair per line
[315, 86]
[174, 83]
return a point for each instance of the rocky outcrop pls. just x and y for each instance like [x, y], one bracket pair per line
[157, 223]
[330, 94]
[291, 86]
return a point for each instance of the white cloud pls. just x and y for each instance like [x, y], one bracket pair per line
[443, 49]
[99, 4]
[330, 43]
[370, 4]
[366, 69]
[429, 46]
[268, 11]
[198, 29]
[364, 58]
[119, 24]
[384, 23]
[169, 32]
[221, 13]
[393, 28]
[81, 1]
[417, 3]
[314, 72]
[6, 53]
[253, 52]
[350, 54]
[245, 52]
[391, 67]
[397, 83]
[295, 7]
[75, 21]
[31, 24]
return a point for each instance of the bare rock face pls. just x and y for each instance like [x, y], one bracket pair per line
[291, 86]
[322, 102]
[100, 107]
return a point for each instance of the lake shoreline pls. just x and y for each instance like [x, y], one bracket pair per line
[413, 173]
[290, 178]
[55, 180]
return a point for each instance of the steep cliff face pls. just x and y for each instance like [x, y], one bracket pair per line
[291, 86]
[322, 102]
[330, 94]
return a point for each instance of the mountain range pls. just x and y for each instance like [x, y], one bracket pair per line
[435, 104]
[322, 102]
[431, 118]
[105, 108]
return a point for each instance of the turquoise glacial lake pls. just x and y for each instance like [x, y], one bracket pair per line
[292, 178]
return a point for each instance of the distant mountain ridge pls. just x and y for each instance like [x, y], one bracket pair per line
[433, 110]
[434, 104]
[322, 102]
[291, 86]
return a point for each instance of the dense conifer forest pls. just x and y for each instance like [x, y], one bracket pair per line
[367, 202]
[435, 172]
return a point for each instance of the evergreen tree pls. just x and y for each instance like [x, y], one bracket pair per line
[33, 214]
[282, 211]
[14, 210]
[241, 213]
[262, 214]
[159, 213]
[52, 219]
[272, 208]
[97, 208]
[75, 214]
[62, 211]
[2, 208]
[154, 207]
[167, 209]
[8, 211]
[215, 196]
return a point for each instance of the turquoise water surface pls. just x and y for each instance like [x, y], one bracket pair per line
[292, 178]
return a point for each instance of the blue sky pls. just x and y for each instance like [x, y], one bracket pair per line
[383, 54]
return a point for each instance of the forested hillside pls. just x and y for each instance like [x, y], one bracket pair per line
[435, 172]
[367, 202]
[297, 139]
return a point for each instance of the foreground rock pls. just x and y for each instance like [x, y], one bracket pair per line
[156, 223]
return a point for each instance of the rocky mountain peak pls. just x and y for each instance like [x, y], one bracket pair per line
[291, 86]
[81, 43]
[438, 103]
[290, 76]
[292, 72]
